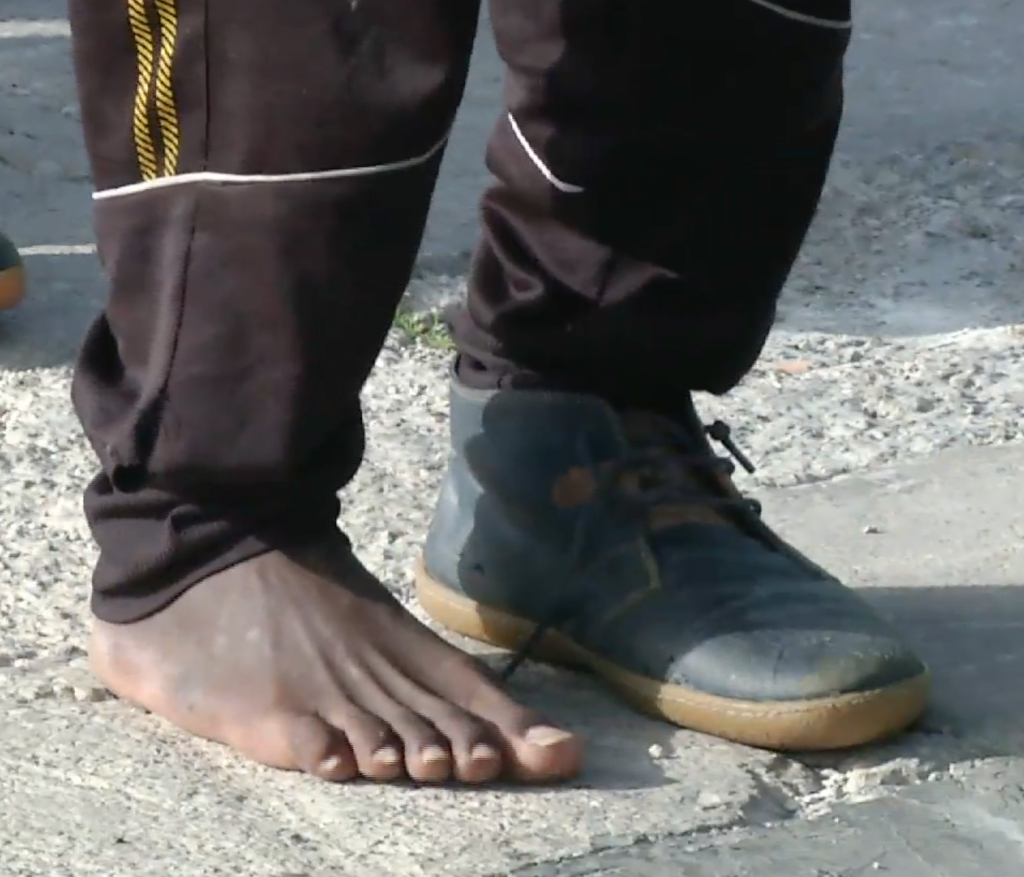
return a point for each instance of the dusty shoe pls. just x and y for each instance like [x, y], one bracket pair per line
[12, 275]
[568, 531]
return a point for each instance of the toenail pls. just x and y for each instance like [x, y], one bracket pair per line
[330, 765]
[433, 754]
[387, 756]
[542, 735]
[483, 752]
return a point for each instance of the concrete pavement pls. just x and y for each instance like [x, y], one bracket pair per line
[932, 144]
[92, 787]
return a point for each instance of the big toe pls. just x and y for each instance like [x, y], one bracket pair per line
[535, 750]
[544, 753]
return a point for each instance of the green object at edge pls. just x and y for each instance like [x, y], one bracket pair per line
[9, 256]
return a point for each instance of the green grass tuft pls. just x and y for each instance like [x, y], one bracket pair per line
[427, 329]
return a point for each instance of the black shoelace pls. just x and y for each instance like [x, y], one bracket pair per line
[662, 476]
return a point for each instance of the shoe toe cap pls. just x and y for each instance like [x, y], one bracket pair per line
[792, 664]
[773, 644]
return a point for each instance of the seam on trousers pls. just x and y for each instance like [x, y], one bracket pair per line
[803, 17]
[156, 130]
[167, 10]
[132, 464]
[538, 162]
[214, 177]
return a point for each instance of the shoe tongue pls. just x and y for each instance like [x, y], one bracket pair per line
[649, 432]
[645, 431]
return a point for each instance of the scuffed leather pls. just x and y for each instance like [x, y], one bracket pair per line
[726, 610]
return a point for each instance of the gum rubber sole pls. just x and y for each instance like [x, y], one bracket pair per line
[838, 722]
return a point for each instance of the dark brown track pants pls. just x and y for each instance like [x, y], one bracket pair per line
[263, 171]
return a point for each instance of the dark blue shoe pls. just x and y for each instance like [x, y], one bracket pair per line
[573, 533]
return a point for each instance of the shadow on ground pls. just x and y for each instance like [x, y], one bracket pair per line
[67, 759]
[972, 636]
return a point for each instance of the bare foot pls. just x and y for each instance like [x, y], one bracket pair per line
[309, 664]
